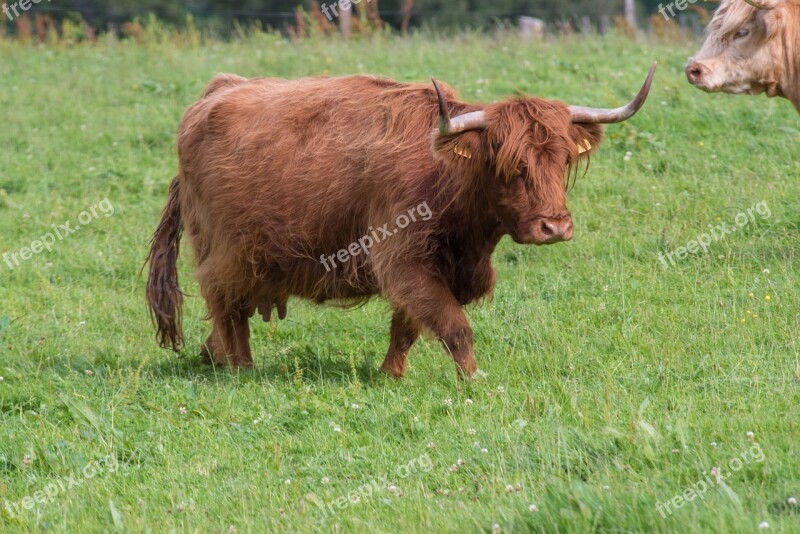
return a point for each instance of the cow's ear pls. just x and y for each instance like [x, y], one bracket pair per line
[463, 151]
[587, 137]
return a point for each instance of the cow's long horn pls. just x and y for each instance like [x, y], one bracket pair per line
[475, 120]
[585, 115]
[762, 4]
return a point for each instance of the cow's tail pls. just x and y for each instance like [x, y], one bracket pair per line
[164, 297]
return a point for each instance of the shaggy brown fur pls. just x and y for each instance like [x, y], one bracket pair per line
[275, 173]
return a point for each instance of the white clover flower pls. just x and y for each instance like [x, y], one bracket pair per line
[533, 508]
[717, 474]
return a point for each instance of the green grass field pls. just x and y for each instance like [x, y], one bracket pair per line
[610, 383]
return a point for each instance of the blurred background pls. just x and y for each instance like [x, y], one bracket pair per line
[77, 20]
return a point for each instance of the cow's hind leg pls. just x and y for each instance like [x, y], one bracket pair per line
[229, 342]
[404, 334]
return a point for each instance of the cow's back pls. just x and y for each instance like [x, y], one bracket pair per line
[308, 133]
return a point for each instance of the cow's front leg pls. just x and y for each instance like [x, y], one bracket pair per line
[404, 334]
[427, 301]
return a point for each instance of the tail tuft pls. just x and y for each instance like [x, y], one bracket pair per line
[164, 295]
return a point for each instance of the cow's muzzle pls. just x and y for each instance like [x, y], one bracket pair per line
[697, 73]
[548, 231]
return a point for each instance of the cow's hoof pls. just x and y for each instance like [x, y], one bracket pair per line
[393, 372]
[466, 372]
[207, 358]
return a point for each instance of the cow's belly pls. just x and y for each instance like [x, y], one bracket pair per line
[312, 281]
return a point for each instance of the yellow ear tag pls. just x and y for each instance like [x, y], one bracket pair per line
[463, 152]
[587, 146]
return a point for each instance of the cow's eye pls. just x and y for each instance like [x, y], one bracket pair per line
[741, 34]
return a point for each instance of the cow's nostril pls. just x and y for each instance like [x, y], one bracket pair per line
[548, 229]
[553, 231]
[694, 71]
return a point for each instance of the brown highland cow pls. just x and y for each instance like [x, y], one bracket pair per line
[339, 189]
